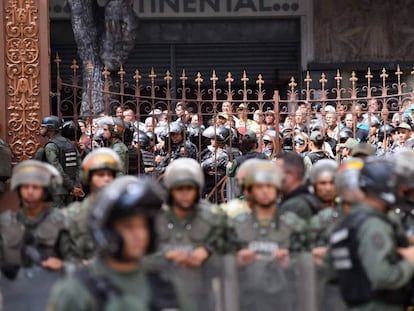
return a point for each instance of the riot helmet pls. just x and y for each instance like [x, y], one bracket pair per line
[221, 134]
[183, 172]
[52, 123]
[377, 179]
[142, 139]
[70, 131]
[322, 167]
[344, 134]
[263, 171]
[245, 167]
[347, 180]
[99, 159]
[126, 197]
[385, 131]
[404, 173]
[37, 173]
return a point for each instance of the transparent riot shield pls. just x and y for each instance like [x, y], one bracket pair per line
[29, 291]
[267, 284]
[329, 295]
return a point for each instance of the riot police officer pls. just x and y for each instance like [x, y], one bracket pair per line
[61, 153]
[121, 223]
[404, 174]
[240, 204]
[112, 130]
[142, 143]
[180, 147]
[36, 234]
[99, 168]
[189, 231]
[214, 159]
[371, 269]
[265, 239]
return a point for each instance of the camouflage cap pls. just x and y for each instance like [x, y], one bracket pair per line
[316, 135]
[404, 126]
[351, 143]
[363, 149]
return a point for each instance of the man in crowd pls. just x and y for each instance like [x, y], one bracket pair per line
[296, 197]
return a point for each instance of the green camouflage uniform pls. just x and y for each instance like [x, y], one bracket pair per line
[203, 228]
[300, 202]
[264, 283]
[71, 294]
[77, 215]
[122, 150]
[377, 251]
[50, 237]
[321, 225]
[61, 194]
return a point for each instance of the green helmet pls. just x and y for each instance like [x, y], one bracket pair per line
[263, 171]
[37, 173]
[347, 180]
[322, 167]
[184, 171]
[99, 159]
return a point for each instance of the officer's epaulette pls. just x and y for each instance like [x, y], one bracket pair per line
[293, 221]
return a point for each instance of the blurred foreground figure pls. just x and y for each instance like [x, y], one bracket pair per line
[372, 262]
[121, 223]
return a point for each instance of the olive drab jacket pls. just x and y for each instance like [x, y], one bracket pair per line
[26, 242]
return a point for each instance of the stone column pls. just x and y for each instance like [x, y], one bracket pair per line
[24, 60]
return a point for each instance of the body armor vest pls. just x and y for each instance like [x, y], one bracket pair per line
[353, 281]
[25, 245]
[263, 240]
[68, 156]
[184, 235]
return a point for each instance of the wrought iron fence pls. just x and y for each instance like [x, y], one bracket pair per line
[321, 104]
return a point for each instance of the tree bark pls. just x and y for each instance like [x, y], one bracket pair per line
[104, 36]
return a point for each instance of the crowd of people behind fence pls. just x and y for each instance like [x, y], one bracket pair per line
[329, 187]
[220, 140]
